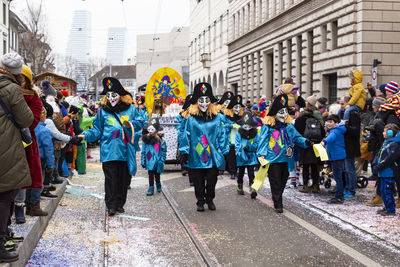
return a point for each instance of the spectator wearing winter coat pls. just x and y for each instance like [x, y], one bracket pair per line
[352, 142]
[335, 147]
[385, 167]
[321, 104]
[309, 126]
[32, 152]
[357, 94]
[14, 168]
[391, 88]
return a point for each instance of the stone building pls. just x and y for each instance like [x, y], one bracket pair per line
[318, 41]
[208, 43]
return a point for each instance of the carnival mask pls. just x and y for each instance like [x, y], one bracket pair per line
[151, 129]
[282, 115]
[246, 127]
[113, 98]
[226, 103]
[236, 109]
[204, 102]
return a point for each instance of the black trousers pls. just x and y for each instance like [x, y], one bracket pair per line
[204, 181]
[230, 160]
[250, 172]
[152, 175]
[306, 173]
[6, 205]
[117, 179]
[61, 160]
[278, 175]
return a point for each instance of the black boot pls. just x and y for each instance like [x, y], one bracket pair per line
[19, 213]
[7, 256]
[46, 193]
[57, 180]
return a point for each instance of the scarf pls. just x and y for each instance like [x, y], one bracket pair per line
[248, 134]
[118, 108]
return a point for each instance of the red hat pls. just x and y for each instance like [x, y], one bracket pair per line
[65, 93]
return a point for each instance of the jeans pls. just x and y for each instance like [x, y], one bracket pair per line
[350, 174]
[388, 189]
[349, 110]
[20, 197]
[338, 170]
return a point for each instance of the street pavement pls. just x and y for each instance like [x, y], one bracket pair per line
[241, 232]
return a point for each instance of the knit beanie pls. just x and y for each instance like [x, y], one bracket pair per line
[27, 72]
[47, 89]
[392, 87]
[378, 101]
[312, 100]
[322, 100]
[382, 89]
[12, 62]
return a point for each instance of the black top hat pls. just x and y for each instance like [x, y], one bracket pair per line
[188, 102]
[247, 118]
[155, 123]
[280, 102]
[111, 84]
[203, 89]
[238, 99]
[228, 95]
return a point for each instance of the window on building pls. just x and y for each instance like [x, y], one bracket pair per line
[260, 13]
[215, 36]
[324, 33]
[254, 15]
[334, 34]
[4, 46]
[332, 87]
[4, 13]
[129, 83]
[234, 26]
[221, 32]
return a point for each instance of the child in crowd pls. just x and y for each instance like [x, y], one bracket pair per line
[357, 94]
[154, 151]
[246, 144]
[334, 143]
[385, 166]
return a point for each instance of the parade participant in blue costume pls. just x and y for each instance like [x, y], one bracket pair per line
[141, 108]
[225, 100]
[246, 144]
[154, 152]
[277, 139]
[111, 127]
[233, 113]
[181, 119]
[203, 144]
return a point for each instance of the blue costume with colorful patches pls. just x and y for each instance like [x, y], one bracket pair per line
[277, 140]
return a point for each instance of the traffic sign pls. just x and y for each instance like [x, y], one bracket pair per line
[374, 76]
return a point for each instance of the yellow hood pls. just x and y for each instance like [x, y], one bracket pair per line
[358, 76]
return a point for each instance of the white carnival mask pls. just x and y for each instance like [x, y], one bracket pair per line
[113, 98]
[282, 115]
[204, 102]
[236, 109]
[226, 103]
[151, 129]
[246, 127]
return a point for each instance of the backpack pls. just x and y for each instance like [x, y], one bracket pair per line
[313, 130]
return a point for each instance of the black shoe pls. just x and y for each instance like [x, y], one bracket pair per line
[7, 256]
[120, 210]
[233, 177]
[46, 193]
[211, 206]
[191, 184]
[57, 180]
[129, 187]
[200, 207]
[253, 194]
[386, 213]
[279, 210]
[335, 201]
[111, 212]
[51, 188]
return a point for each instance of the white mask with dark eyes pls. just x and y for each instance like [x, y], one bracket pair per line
[246, 127]
[236, 109]
[204, 102]
[151, 129]
[282, 115]
[113, 98]
[226, 103]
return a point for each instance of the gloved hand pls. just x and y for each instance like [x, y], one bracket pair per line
[184, 158]
[76, 140]
[144, 167]
[309, 143]
[246, 148]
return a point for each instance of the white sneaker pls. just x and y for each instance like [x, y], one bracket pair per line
[75, 173]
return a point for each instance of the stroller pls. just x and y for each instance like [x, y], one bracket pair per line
[327, 176]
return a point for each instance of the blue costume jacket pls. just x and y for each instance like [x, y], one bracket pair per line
[335, 143]
[386, 161]
[153, 156]
[181, 127]
[231, 128]
[274, 142]
[246, 150]
[45, 142]
[109, 131]
[204, 142]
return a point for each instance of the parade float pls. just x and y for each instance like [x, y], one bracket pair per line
[165, 92]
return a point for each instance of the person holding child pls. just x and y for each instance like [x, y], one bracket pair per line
[357, 94]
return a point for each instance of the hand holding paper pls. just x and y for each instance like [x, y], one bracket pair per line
[320, 152]
[261, 174]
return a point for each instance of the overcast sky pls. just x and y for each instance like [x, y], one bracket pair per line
[141, 18]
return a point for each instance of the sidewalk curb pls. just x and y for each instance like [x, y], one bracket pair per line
[32, 238]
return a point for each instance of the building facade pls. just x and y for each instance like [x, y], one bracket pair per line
[155, 51]
[317, 41]
[116, 46]
[79, 45]
[17, 27]
[4, 26]
[208, 43]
